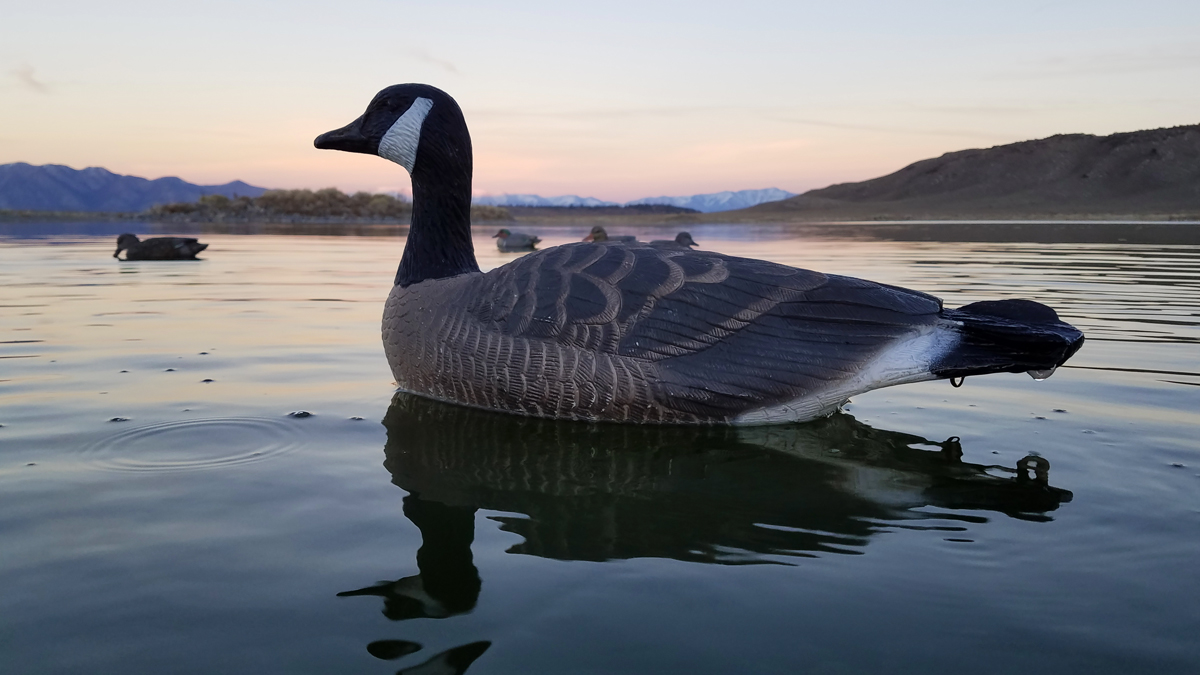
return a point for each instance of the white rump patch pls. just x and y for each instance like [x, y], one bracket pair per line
[399, 144]
[905, 360]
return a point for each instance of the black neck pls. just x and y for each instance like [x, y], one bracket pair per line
[439, 239]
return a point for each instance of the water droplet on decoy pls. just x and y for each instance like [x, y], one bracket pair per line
[300, 414]
[119, 419]
[1040, 375]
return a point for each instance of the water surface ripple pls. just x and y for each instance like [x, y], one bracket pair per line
[187, 445]
[1005, 526]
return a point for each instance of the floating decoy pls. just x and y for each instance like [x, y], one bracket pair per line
[599, 234]
[515, 241]
[158, 248]
[682, 239]
[650, 334]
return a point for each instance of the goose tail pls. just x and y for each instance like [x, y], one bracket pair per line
[1007, 336]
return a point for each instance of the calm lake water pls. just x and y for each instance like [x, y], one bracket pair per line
[161, 511]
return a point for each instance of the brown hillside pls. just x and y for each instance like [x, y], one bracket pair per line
[1141, 173]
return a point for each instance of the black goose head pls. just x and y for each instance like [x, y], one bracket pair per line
[416, 126]
[422, 129]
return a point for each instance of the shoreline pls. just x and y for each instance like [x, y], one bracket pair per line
[568, 217]
[1115, 231]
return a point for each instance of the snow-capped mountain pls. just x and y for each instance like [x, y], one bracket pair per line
[537, 200]
[719, 201]
[707, 203]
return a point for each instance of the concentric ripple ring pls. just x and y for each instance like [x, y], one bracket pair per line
[188, 445]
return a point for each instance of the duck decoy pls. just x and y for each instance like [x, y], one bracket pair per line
[158, 248]
[639, 333]
[515, 241]
[598, 233]
[682, 239]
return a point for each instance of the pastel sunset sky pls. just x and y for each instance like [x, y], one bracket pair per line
[615, 100]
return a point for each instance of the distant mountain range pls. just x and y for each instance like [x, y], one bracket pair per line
[1154, 173]
[719, 201]
[1146, 173]
[706, 203]
[538, 200]
[53, 187]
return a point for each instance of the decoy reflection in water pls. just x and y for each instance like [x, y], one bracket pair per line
[599, 234]
[600, 492]
[712, 494]
[515, 241]
[683, 240]
[454, 661]
[632, 332]
[158, 248]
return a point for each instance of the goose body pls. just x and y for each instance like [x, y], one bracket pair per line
[515, 241]
[158, 248]
[630, 332]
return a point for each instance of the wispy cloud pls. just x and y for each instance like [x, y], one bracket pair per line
[601, 114]
[781, 115]
[959, 133]
[24, 75]
[1111, 62]
[426, 57]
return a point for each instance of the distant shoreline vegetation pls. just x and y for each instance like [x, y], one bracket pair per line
[301, 206]
[325, 206]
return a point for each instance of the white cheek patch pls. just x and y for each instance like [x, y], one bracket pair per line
[399, 144]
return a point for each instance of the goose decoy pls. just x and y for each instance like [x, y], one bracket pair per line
[639, 333]
[515, 241]
[682, 239]
[158, 248]
[599, 234]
